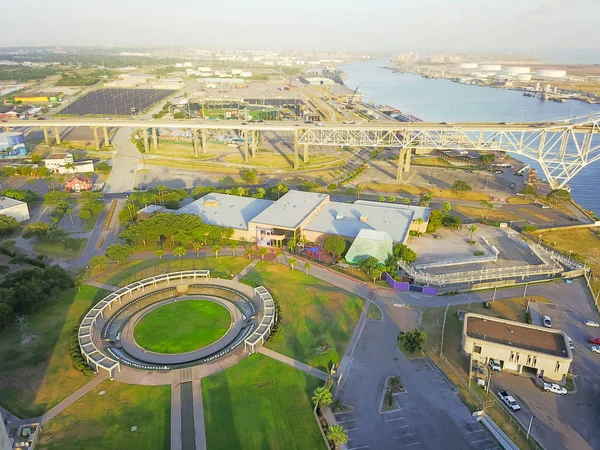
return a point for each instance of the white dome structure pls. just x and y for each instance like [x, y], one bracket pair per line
[551, 73]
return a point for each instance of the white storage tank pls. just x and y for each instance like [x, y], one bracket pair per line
[490, 67]
[524, 77]
[551, 73]
[515, 70]
[467, 66]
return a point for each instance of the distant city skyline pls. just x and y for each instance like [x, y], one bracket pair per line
[561, 30]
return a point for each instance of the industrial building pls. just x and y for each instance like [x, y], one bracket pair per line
[316, 81]
[16, 209]
[520, 347]
[12, 144]
[64, 163]
[39, 97]
[312, 215]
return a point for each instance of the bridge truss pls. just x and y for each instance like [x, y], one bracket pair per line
[560, 150]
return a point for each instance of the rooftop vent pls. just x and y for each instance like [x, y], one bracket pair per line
[339, 217]
[211, 203]
[363, 218]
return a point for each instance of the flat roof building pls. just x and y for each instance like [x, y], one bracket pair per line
[520, 347]
[14, 208]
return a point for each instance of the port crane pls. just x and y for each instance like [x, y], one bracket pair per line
[351, 99]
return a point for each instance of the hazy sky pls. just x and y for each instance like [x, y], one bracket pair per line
[561, 27]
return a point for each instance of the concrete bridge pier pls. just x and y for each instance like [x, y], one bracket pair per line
[57, 135]
[407, 160]
[255, 135]
[154, 139]
[245, 134]
[401, 160]
[296, 149]
[106, 137]
[46, 136]
[195, 141]
[305, 153]
[96, 138]
[146, 143]
[204, 149]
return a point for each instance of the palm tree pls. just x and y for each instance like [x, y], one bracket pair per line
[180, 251]
[280, 187]
[337, 434]
[359, 189]
[233, 246]
[278, 254]
[248, 252]
[262, 251]
[217, 248]
[69, 166]
[292, 262]
[420, 222]
[197, 246]
[322, 396]
[484, 204]
[159, 253]
[473, 229]
[392, 199]
[447, 207]
[489, 207]
[79, 283]
[306, 267]
[381, 198]
[70, 213]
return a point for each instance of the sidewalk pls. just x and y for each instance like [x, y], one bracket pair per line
[292, 362]
[108, 287]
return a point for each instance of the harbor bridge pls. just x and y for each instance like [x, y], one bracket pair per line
[561, 148]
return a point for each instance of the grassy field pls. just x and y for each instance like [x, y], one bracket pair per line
[35, 376]
[317, 319]
[223, 267]
[492, 215]
[272, 161]
[182, 327]
[105, 421]
[374, 312]
[418, 190]
[433, 162]
[260, 404]
[57, 250]
[195, 164]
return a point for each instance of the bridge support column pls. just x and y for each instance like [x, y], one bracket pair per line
[154, 139]
[106, 137]
[146, 143]
[96, 139]
[296, 148]
[401, 159]
[195, 141]
[255, 134]
[305, 154]
[46, 136]
[204, 150]
[57, 135]
[407, 160]
[245, 134]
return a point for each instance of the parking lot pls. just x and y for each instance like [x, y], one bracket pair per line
[116, 101]
[570, 421]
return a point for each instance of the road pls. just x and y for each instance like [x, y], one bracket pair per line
[122, 176]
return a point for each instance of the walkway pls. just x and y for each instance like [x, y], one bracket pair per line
[246, 269]
[53, 412]
[187, 416]
[107, 287]
[292, 362]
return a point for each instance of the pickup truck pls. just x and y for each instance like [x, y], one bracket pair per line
[553, 387]
[509, 400]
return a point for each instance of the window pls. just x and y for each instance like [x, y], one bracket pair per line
[477, 349]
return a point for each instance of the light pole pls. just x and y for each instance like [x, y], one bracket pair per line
[529, 428]
[570, 259]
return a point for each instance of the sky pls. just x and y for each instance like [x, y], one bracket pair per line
[567, 29]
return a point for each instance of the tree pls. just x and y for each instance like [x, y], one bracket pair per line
[556, 196]
[179, 251]
[102, 167]
[278, 254]
[447, 207]
[159, 253]
[322, 397]
[392, 199]
[486, 158]
[529, 190]
[403, 252]
[484, 204]
[292, 262]
[99, 261]
[372, 267]
[489, 207]
[178, 115]
[406, 201]
[5, 312]
[260, 193]
[460, 186]
[306, 267]
[419, 223]
[332, 187]
[233, 246]
[473, 229]
[452, 221]
[196, 245]
[8, 225]
[118, 252]
[78, 282]
[435, 221]
[359, 189]
[248, 252]
[250, 176]
[281, 189]
[216, 249]
[381, 198]
[334, 244]
[395, 383]
[413, 340]
[425, 199]
[337, 434]
[70, 213]
[262, 251]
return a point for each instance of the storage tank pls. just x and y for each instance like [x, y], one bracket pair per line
[551, 73]
[524, 77]
[490, 67]
[467, 66]
[515, 70]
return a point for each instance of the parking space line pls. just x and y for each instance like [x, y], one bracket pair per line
[357, 448]
[408, 445]
[397, 418]
[401, 426]
[352, 429]
[471, 432]
[480, 440]
[346, 421]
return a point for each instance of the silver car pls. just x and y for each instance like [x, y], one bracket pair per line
[592, 323]
[547, 321]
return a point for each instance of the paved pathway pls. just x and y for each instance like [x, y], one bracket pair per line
[199, 426]
[108, 287]
[53, 412]
[246, 269]
[292, 362]
[175, 416]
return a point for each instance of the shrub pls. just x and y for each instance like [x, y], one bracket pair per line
[435, 221]
[460, 186]
[529, 190]
[529, 228]
[479, 253]
[451, 221]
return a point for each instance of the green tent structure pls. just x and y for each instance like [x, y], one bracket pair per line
[370, 243]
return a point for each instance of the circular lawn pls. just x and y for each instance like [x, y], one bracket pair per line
[182, 326]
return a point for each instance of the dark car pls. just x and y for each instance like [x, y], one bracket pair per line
[244, 123]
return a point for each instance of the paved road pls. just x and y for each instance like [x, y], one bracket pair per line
[122, 176]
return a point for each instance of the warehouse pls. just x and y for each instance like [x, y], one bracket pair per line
[521, 348]
[16, 209]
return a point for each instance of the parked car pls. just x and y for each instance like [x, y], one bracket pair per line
[595, 341]
[595, 349]
[547, 321]
[495, 365]
[509, 400]
[436, 236]
[498, 171]
[571, 345]
[569, 281]
[513, 185]
[592, 323]
[553, 387]
[447, 123]
[319, 124]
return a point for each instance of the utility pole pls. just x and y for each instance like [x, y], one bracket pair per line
[494, 297]
[529, 428]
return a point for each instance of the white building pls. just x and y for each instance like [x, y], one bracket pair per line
[57, 163]
[14, 208]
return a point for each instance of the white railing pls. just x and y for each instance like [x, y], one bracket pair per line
[262, 332]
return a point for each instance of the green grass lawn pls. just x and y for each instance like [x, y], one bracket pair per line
[182, 327]
[317, 319]
[57, 250]
[105, 421]
[130, 271]
[259, 404]
[37, 375]
[374, 312]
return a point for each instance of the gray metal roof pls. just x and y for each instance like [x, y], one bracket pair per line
[291, 209]
[419, 211]
[227, 211]
[344, 219]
